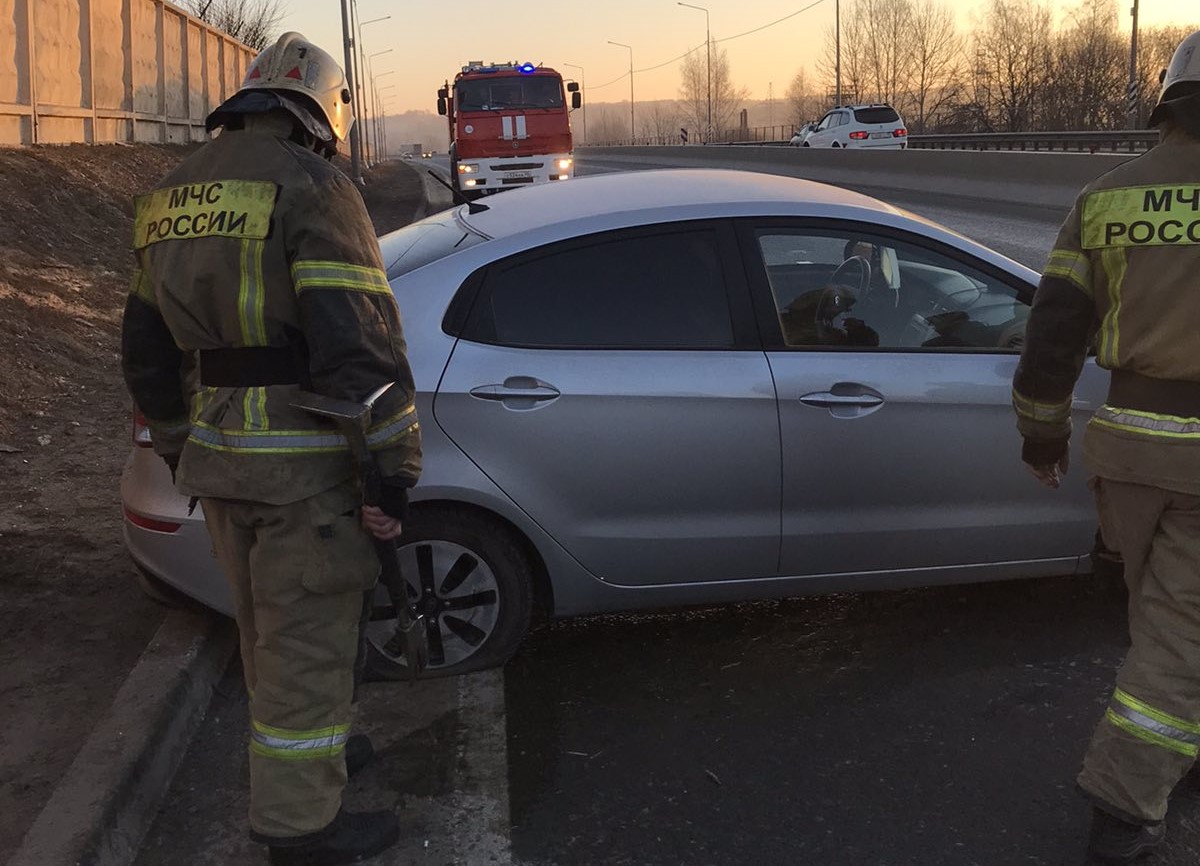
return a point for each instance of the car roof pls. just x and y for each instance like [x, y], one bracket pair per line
[691, 193]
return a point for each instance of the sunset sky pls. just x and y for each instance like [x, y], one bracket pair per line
[431, 40]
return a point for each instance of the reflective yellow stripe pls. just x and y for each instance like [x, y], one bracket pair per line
[1114, 263]
[298, 745]
[1150, 736]
[1137, 216]
[1147, 423]
[252, 295]
[220, 208]
[1157, 715]
[392, 428]
[254, 409]
[339, 275]
[1152, 725]
[1044, 412]
[1073, 267]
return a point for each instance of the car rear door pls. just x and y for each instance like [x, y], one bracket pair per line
[899, 444]
[613, 386]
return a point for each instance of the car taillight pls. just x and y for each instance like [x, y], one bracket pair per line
[899, 133]
[141, 432]
[150, 523]
[858, 136]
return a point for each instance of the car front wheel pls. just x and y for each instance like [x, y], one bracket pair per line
[472, 582]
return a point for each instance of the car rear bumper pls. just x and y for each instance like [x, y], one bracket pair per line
[163, 539]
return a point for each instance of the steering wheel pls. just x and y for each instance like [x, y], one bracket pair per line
[838, 277]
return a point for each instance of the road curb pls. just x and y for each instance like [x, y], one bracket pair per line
[108, 798]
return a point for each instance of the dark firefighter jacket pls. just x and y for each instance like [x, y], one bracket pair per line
[1124, 279]
[254, 241]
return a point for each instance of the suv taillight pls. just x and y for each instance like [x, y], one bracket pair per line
[141, 432]
[899, 133]
[858, 136]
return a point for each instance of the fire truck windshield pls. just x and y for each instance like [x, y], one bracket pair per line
[493, 93]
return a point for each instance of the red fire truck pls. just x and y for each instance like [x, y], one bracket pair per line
[509, 126]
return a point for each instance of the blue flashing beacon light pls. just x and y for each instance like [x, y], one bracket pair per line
[526, 68]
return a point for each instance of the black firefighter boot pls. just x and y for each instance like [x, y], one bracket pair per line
[1112, 840]
[349, 838]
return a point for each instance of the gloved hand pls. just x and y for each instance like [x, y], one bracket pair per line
[394, 498]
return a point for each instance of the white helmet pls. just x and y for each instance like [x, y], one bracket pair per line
[293, 65]
[1184, 68]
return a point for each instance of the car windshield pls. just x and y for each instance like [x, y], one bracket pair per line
[432, 238]
[525, 91]
[876, 114]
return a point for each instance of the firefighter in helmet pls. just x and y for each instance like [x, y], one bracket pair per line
[258, 270]
[1122, 279]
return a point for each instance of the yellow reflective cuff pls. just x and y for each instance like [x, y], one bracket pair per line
[1151, 737]
[292, 734]
[222, 208]
[1073, 267]
[1140, 216]
[392, 428]
[339, 275]
[1157, 715]
[1042, 412]
[298, 745]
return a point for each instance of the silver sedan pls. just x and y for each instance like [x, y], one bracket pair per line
[689, 387]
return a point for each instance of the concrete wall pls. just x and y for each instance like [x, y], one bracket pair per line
[110, 70]
[1041, 179]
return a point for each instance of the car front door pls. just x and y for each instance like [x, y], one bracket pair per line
[614, 387]
[893, 359]
[821, 136]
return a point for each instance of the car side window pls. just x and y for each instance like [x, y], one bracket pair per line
[849, 288]
[825, 122]
[661, 290]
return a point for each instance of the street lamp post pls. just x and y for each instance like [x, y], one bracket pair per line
[632, 133]
[583, 94]
[1134, 98]
[837, 26]
[381, 128]
[708, 49]
[348, 50]
[360, 58]
[374, 102]
[378, 115]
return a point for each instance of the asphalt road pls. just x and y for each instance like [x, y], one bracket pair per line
[937, 726]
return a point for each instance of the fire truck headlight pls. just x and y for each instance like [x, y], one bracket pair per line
[470, 182]
[564, 164]
[467, 169]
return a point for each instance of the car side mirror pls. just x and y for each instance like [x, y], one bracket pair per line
[576, 99]
[572, 86]
[443, 93]
[442, 106]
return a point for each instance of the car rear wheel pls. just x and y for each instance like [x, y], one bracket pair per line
[472, 582]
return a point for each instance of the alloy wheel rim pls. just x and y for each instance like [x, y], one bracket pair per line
[454, 588]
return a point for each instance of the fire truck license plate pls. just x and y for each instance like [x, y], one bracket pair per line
[516, 174]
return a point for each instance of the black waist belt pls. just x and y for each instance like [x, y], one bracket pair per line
[1160, 396]
[252, 367]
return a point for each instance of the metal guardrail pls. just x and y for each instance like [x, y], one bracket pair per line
[1114, 141]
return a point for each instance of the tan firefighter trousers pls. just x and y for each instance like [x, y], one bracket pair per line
[298, 574]
[1150, 733]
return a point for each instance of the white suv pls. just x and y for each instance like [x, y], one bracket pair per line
[876, 125]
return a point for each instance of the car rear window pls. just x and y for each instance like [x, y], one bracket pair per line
[876, 114]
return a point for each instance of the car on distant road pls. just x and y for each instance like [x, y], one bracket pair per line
[871, 126]
[686, 387]
[802, 133]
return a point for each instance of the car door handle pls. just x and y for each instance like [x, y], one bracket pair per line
[517, 388]
[830, 400]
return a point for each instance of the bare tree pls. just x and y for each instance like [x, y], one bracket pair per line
[660, 121]
[609, 123]
[1013, 61]
[1088, 86]
[254, 22]
[855, 44]
[936, 77]
[802, 104]
[693, 90]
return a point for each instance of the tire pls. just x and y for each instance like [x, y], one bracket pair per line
[441, 544]
[806, 144]
[835, 144]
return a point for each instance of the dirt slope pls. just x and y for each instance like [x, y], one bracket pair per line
[72, 621]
